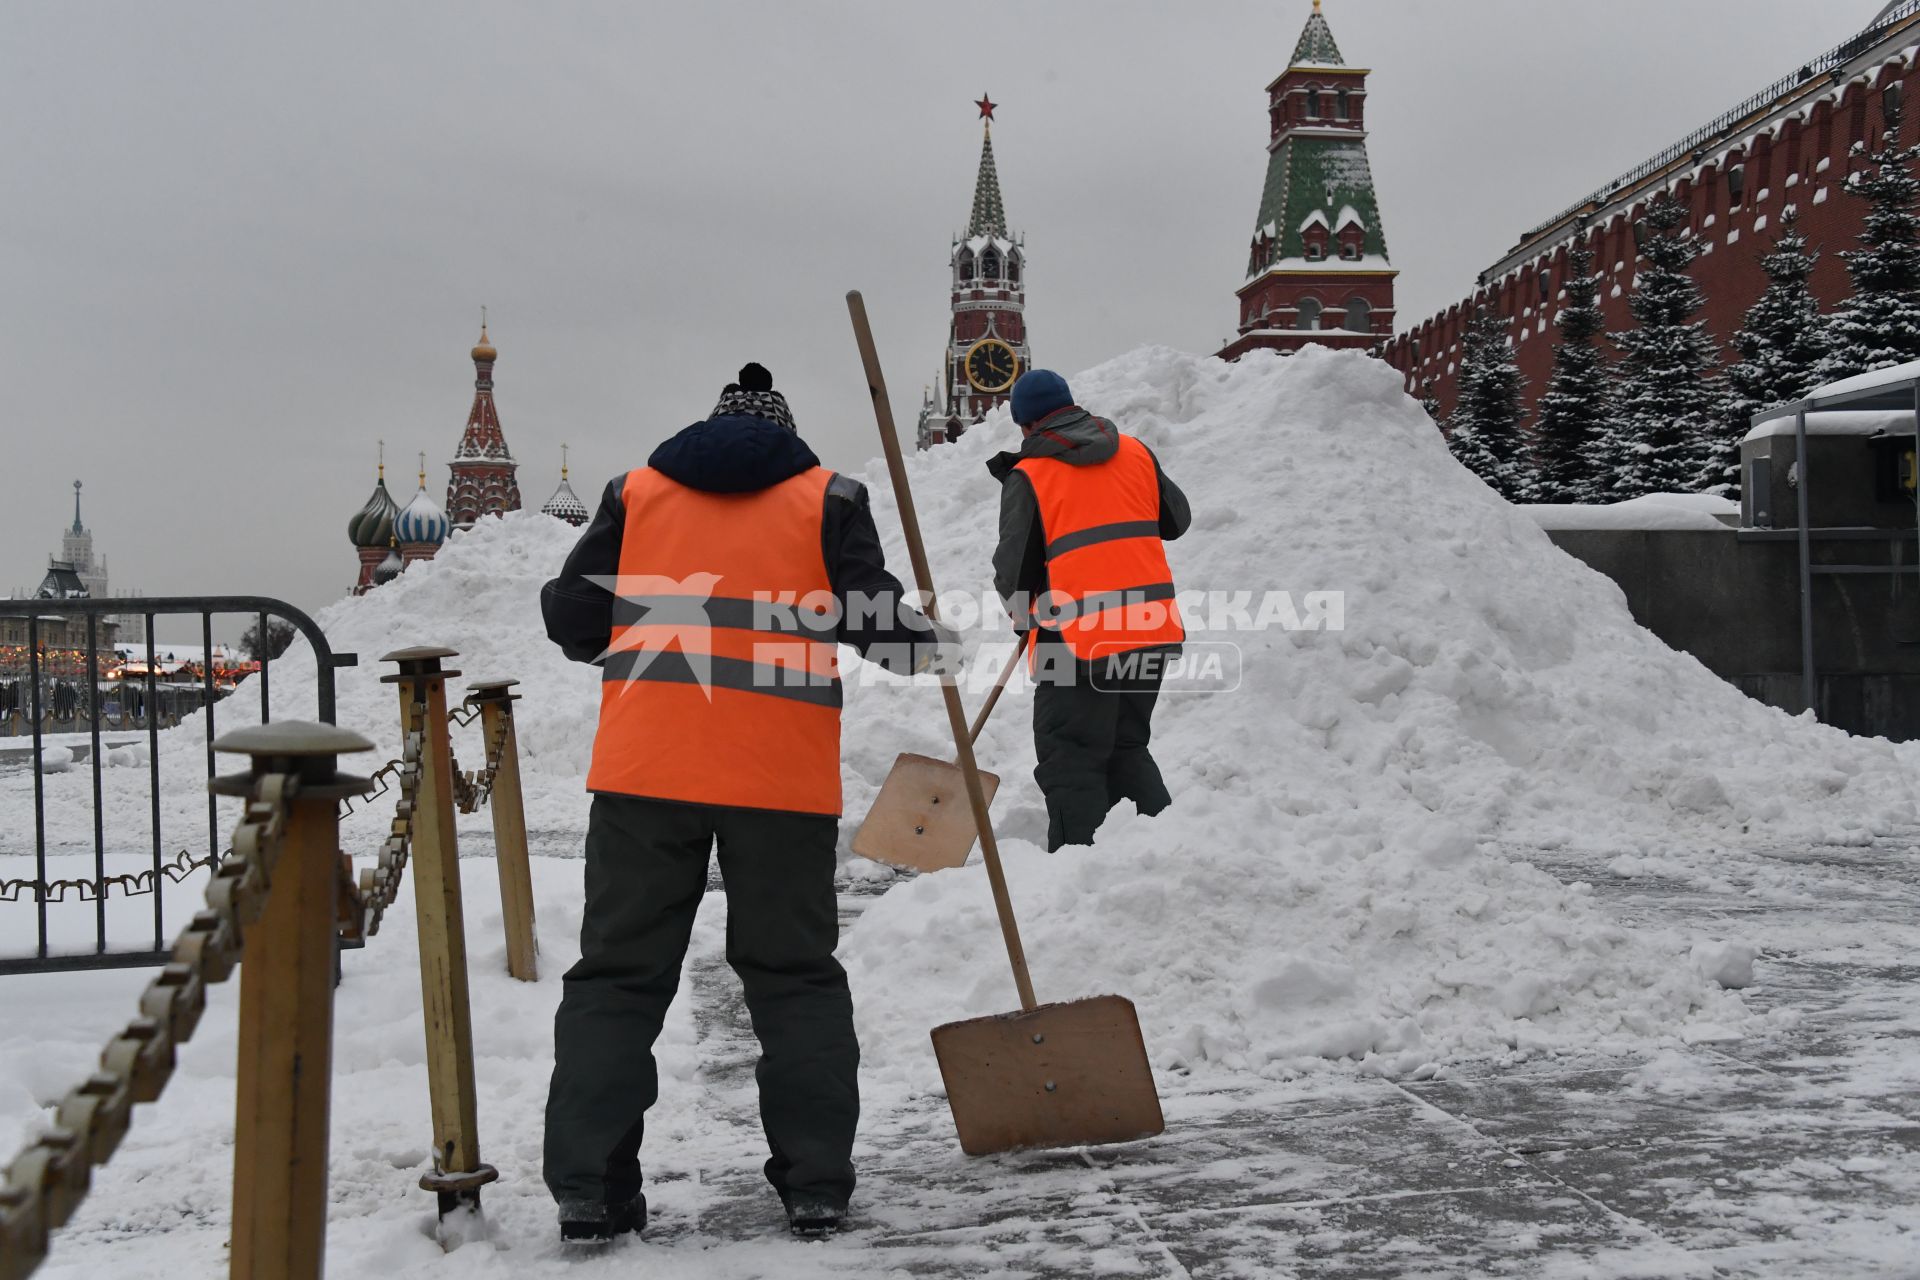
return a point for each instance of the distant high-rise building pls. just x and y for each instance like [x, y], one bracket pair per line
[78, 574]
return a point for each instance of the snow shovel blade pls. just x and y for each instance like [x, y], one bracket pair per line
[1062, 1075]
[921, 818]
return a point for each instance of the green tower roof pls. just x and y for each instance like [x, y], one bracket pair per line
[989, 214]
[1316, 42]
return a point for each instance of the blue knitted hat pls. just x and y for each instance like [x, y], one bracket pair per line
[1039, 393]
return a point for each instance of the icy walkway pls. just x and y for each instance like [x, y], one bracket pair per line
[1794, 1153]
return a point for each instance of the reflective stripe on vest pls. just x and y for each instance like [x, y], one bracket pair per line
[1110, 589]
[721, 685]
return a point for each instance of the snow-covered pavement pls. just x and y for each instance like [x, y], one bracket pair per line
[1794, 1151]
[1487, 935]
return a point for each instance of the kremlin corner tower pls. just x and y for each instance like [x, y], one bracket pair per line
[1317, 269]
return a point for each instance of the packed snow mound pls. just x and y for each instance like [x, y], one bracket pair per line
[1331, 881]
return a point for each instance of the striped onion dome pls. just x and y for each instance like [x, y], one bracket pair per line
[422, 521]
[565, 504]
[389, 569]
[373, 526]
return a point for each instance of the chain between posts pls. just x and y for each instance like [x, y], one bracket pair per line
[47, 1181]
[364, 904]
[131, 885]
[472, 790]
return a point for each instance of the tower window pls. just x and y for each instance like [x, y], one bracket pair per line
[990, 265]
[1315, 251]
[966, 264]
[1309, 313]
[1313, 104]
[1359, 316]
[1013, 269]
[1346, 106]
[1350, 250]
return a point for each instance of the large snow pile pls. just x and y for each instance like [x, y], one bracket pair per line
[1338, 877]
[1329, 882]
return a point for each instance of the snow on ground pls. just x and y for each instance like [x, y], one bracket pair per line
[1654, 511]
[1331, 884]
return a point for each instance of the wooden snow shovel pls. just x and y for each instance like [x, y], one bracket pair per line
[920, 818]
[1055, 1075]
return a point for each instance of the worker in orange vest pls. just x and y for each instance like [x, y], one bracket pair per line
[713, 588]
[1085, 512]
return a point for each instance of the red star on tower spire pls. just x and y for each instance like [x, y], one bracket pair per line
[986, 106]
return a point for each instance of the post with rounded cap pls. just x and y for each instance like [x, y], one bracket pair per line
[283, 1092]
[457, 1173]
[495, 701]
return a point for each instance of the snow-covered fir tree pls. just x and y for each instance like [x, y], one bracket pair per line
[1878, 326]
[1484, 430]
[1670, 399]
[1778, 350]
[1576, 410]
[1429, 401]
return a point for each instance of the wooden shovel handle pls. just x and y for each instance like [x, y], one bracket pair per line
[999, 687]
[956, 715]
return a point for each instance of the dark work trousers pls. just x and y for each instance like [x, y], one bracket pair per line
[646, 874]
[1092, 722]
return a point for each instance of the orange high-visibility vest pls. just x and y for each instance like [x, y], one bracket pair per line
[722, 682]
[1110, 590]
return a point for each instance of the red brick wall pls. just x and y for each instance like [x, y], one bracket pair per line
[1782, 168]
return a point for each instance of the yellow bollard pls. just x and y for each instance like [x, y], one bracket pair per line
[509, 826]
[457, 1173]
[284, 1090]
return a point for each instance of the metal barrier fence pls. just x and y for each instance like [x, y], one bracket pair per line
[44, 616]
[285, 897]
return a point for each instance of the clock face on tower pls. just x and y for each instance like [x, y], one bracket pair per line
[992, 366]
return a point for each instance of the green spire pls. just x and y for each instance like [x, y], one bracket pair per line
[989, 214]
[1316, 42]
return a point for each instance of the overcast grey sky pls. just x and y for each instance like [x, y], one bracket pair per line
[239, 243]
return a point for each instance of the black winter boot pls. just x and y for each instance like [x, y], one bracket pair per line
[592, 1222]
[813, 1219]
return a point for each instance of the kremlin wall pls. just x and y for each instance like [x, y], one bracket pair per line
[1789, 147]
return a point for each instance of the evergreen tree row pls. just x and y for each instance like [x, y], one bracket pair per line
[1663, 417]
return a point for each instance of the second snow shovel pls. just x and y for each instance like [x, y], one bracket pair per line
[920, 818]
[1054, 1075]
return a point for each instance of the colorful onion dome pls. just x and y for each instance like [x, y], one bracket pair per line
[485, 350]
[373, 525]
[422, 521]
[565, 504]
[389, 569]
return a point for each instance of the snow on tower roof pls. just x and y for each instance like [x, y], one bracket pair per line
[1317, 47]
[989, 211]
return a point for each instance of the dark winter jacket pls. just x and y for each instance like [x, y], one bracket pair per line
[738, 454]
[1075, 436]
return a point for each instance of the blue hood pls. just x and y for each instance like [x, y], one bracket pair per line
[733, 454]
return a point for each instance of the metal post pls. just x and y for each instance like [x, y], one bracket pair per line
[509, 827]
[457, 1173]
[1800, 470]
[284, 1088]
[39, 785]
[1915, 474]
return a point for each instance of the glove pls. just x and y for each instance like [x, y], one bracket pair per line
[943, 656]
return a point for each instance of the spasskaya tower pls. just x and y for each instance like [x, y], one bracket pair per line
[987, 339]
